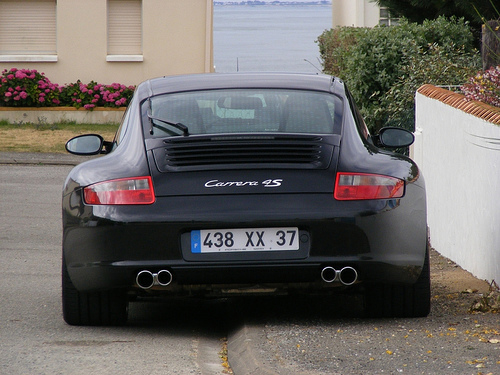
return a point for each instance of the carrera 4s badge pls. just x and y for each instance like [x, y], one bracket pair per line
[266, 183]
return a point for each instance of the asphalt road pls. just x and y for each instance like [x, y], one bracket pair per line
[265, 335]
[34, 339]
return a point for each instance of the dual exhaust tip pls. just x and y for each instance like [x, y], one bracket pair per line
[147, 279]
[346, 275]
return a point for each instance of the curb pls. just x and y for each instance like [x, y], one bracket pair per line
[246, 347]
[36, 158]
[243, 353]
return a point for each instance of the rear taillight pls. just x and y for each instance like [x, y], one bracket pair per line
[359, 186]
[136, 190]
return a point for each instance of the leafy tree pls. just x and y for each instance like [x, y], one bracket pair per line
[474, 11]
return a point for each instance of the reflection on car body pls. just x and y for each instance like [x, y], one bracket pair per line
[246, 182]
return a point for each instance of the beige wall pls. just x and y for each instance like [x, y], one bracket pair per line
[177, 38]
[357, 13]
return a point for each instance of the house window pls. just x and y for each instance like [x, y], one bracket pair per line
[124, 30]
[28, 30]
[386, 19]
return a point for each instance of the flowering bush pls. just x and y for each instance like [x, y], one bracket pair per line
[484, 87]
[116, 95]
[93, 95]
[27, 88]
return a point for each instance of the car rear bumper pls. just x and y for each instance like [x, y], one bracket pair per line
[105, 247]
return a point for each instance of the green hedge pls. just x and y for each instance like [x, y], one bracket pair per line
[383, 66]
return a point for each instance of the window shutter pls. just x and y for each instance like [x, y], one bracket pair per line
[124, 27]
[28, 27]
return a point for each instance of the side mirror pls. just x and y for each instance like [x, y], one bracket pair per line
[391, 137]
[88, 144]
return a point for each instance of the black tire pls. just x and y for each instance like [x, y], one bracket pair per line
[401, 301]
[108, 308]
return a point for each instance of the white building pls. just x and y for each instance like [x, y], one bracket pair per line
[359, 13]
[125, 41]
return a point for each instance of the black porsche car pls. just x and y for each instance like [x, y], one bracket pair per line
[217, 184]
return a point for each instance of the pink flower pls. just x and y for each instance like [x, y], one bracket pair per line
[17, 97]
[8, 94]
[20, 75]
[10, 76]
[23, 94]
[41, 99]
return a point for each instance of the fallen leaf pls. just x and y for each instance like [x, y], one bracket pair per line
[469, 291]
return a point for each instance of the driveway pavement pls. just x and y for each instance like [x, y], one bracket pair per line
[292, 337]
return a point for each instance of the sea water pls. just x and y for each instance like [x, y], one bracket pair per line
[269, 37]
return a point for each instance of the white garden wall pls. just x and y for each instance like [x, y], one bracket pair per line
[50, 115]
[459, 155]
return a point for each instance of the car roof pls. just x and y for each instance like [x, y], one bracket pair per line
[210, 81]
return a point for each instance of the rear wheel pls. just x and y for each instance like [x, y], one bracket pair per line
[92, 308]
[403, 301]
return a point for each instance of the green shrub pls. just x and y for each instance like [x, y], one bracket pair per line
[334, 46]
[381, 60]
[438, 66]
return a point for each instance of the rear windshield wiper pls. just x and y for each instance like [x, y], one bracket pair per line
[177, 125]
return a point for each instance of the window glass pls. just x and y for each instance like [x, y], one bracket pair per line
[245, 111]
[122, 128]
[386, 18]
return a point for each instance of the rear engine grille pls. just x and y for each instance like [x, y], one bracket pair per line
[305, 152]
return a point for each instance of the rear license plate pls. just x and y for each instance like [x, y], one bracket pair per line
[253, 239]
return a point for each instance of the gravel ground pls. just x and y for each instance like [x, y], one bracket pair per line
[451, 340]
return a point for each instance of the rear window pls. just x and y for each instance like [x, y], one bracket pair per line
[244, 111]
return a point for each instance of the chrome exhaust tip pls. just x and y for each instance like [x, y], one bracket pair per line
[348, 275]
[329, 274]
[163, 277]
[147, 279]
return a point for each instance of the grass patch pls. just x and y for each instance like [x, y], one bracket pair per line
[45, 137]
